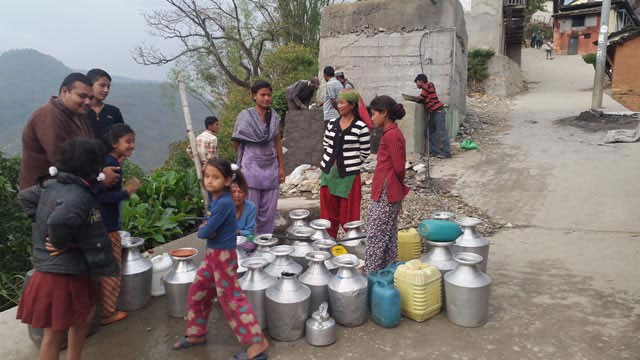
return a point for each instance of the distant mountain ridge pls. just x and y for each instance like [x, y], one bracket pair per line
[29, 78]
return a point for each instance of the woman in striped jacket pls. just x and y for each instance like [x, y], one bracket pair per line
[346, 146]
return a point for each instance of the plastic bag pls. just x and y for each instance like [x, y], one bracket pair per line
[468, 145]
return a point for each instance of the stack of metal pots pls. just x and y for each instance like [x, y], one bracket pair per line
[357, 245]
[264, 243]
[283, 262]
[255, 284]
[136, 273]
[178, 280]
[317, 278]
[471, 241]
[326, 245]
[320, 226]
[287, 308]
[468, 291]
[299, 217]
[348, 292]
[301, 248]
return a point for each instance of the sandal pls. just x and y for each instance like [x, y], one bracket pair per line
[119, 315]
[243, 356]
[183, 343]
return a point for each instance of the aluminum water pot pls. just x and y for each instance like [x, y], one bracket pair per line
[301, 248]
[440, 256]
[326, 246]
[321, 328]
[254, 284]
[298, 218]
[357, 246]
[283, 262]
[471, 241]
[264, 243]
[317, 277]
[288, 303]
[178, 280]
[136, 273]
[348, 292]
[443, 215]
[467, 292]
[241, 254]
[320, 226]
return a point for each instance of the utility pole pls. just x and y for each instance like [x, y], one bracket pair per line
[601, 56]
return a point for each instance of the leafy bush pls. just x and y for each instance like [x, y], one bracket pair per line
[477, 68]
[131, 169]
[590, 59]
[178, 158]
[279, 102]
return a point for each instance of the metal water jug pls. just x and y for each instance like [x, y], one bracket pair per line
[320, 226]
[321, 328]
[264, 243]
[136, 273]
[348, 292]
[471, 241]
[241, 254]
[356, 246]
[443, 215]
[178, 280]
[467, 292]
[317, 277]
[298, 218]
[301, 248]
[441, 257]
[326, 245]
[254, 284]
[287, 308]
[283, 262]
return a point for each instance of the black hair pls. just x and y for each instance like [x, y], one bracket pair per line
[241, 181]
[95, 75]
[329, 71]
[260, 84]
[72, 78]
[115, 132]
[386, 103]
[222, 165]
[81, 157]
[210, 120]
[421, 77]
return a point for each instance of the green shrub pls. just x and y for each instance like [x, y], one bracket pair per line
[590, 59]
[131, 169]
[178, 158]
[477, 68]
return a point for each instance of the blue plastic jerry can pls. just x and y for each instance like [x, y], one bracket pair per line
[385, 275]
[385, 304]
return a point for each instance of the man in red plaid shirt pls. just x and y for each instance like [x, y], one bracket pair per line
[437, 125]
[207, 142]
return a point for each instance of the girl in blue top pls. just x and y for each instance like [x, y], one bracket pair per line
[245, 209]
[217, 275]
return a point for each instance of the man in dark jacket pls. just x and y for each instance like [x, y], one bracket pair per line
[299, 94]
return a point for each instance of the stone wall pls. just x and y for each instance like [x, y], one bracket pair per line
[484, 24]
[382, 45]
[505, 77]
[303, 134]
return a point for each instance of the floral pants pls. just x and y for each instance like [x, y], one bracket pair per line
[217, 277]
[382, 233]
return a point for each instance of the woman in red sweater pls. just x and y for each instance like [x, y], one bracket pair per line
[388, 188]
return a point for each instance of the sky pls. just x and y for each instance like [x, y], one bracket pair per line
[84, 34]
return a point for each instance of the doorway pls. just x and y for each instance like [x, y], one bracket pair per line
[573, 46]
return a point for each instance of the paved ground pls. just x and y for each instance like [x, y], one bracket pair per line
[565, 279]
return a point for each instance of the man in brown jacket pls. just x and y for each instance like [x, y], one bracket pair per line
[61, 119]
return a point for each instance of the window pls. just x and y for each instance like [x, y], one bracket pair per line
[587, 36]
[577, 21]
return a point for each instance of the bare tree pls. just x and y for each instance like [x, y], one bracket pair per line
[234, 34]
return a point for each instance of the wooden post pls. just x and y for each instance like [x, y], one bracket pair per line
[192, 142]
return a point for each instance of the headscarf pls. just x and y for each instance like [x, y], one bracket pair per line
[354, 97]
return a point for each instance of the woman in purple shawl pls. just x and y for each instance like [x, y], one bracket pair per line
[256, 139]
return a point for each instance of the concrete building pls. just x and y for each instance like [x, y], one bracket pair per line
[623, 50]
[382, 45]
[576, 25]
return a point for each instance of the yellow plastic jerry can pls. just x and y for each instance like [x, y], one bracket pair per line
[420, 286]
[409, 245]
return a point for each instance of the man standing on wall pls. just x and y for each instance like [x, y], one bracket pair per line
[207, 142]
[437, 125]
[344, 81]
[333, 87]
[299, 95]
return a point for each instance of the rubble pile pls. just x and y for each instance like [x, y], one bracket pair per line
[484, 120]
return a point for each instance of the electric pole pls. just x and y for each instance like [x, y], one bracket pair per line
[601, 56]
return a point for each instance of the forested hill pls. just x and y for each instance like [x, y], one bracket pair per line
[28, 78]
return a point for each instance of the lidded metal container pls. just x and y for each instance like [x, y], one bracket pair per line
[321, 328]
[348, 292]
[264, 243]
[471, 241]
[242, 255]
[178, 280]
[357, 245]
[301, 248]
[320, 226]
[136, 272]
[299, 217]
[326, 245]
[468, 291]
[254, 284]
[317, 277]
[283, 262]
[444, 215]
[287, 308]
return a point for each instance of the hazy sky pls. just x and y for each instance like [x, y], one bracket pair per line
[84, 33]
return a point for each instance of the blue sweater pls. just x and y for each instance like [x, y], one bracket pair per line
[110, 199]
[247, 219]
[220, 227]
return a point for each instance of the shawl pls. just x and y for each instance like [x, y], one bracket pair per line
[249, 128]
